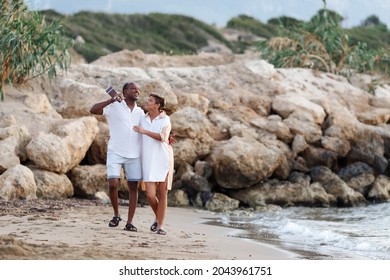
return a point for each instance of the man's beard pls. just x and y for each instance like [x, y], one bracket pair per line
[132, 98]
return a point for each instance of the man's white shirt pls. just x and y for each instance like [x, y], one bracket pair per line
[123, 140]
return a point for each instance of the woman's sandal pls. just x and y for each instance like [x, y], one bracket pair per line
[153, 227]
[130, 227]
[161, 232]
[115, 221]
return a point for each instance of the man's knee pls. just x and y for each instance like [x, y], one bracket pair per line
[132, 185]
[113, 184]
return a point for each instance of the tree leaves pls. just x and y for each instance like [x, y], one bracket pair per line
[30, 46]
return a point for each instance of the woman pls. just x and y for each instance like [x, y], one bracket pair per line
[157, 158]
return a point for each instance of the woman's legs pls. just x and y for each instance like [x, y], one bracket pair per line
[159, 205]
[151, 196]
[162, 204]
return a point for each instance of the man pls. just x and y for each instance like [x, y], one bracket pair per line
[124, 148]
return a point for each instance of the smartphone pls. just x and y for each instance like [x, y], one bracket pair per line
[112, 92]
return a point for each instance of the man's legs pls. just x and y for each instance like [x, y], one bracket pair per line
[133, 175]
[133, 200]
[114, 166]
[113, 194]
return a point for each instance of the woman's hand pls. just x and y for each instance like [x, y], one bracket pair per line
[171, 139]
[138, 129]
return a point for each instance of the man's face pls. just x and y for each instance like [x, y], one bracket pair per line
[131, 92]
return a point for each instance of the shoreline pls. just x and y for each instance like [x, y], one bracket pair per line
[78, 230]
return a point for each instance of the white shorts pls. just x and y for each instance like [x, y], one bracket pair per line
[115, 163]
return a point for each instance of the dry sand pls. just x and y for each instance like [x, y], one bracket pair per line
[78, 230]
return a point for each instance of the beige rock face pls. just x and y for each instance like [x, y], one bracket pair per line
[77, 135]
[8, 154]
[290, 103]
[17, 183]
[252, 125]
[162, 88]
[380, 191]
[189, 123]
[13, 139]
[51, 185]
[49, 152]
[88, 180]
[241, 163]
[97, 152]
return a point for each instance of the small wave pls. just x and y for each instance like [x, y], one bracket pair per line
[350, 233]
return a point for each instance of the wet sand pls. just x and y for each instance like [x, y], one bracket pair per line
[78, 230]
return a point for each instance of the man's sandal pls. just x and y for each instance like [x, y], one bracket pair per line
[115, 221]
[130, 227]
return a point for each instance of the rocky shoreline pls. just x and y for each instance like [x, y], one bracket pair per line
[247, 134]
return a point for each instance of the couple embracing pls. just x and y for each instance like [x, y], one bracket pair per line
[140, 144]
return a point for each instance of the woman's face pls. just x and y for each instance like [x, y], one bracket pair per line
[151, 104]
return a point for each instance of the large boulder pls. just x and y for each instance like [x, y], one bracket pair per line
[344, 195]
[88, 180]
[13, 140]
[51, 185]
[221, 203]
[275, 125]
[18, 183]
[97, 153]
[160, 87]
[49, 152]
[380, 191]
[241, 163]
[191, 150]
[189, 123]
[359, 176]
[77, 135]
[290, 103]
[283, 193]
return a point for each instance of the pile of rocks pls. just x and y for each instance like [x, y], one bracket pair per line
[247, 134]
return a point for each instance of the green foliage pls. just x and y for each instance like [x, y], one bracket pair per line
[371, 21]
[325, 15]
[151, 33]
[175, 34]
[250, 24]
[376, 37]
[322, 44]
[286, 22]
[29, 46]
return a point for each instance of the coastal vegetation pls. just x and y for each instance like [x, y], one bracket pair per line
[30, 46]
[178, 34]
[34, 43]
[323, 44]
[152, 33]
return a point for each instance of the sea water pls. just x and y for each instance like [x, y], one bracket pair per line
[320, 233]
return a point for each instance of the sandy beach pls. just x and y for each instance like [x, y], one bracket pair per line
[78, 230]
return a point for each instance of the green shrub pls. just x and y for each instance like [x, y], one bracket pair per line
[250, 24]
[29, 46]
[322, 44]
[151, 33]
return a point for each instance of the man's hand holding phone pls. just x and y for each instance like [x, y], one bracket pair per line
[114, 95]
